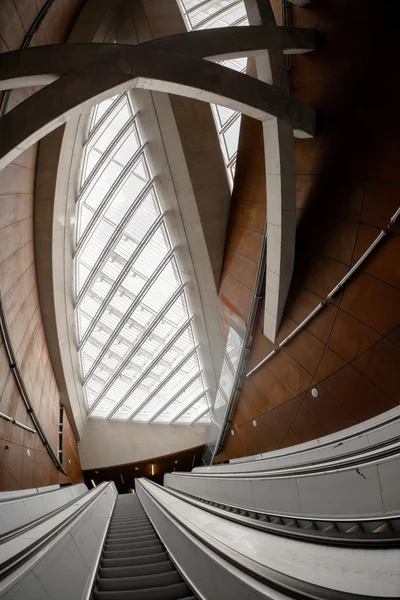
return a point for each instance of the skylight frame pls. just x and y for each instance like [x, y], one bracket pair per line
[93, 366]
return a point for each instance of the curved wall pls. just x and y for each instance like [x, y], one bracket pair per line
[348, 188]
[25, 463]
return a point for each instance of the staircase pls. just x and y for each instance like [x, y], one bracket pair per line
[134, 564]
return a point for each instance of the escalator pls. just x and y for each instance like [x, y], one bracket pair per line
[364, 531]
[134, 564]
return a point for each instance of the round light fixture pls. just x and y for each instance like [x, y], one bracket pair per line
[314, 392]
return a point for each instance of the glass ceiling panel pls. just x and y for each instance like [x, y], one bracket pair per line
[138, 353]
[194, 411]
[184, 400]
[206, 418]
[229, 367]
[99, 111]
[207, 15]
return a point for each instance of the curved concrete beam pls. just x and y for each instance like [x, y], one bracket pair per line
[96, 71]
[280, 182]
[221, 43]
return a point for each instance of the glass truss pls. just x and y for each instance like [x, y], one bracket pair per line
[221, 13]
[137, 346]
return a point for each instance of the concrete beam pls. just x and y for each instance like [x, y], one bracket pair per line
[280, 181]
[97, 71]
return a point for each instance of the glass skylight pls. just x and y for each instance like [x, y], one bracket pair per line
[229, 368]
[138, 352]
[209, 14]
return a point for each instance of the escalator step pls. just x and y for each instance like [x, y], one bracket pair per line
[110, 544]
[133, 545]
[178, 591]
[138, 583]
[139, 552]
[158, 567]
[128, 531]
[133, 561]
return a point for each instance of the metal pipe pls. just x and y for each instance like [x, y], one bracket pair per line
[18, 423]
[396, 214]
[274, 351]
[358, 263]
[14, 366]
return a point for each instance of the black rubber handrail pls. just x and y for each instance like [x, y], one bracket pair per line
[390, 539]
[18, 559]
[295, 588]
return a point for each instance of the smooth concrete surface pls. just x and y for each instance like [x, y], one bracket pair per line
[208, 574]
[88, 74]
[280, 181]
[185, 156]
[18, 512]
[372, 572]
[61, 569]
[56, 181]
[28, 492]
[107, 443]
[369, 490]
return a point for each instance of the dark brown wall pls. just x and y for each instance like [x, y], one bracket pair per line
[18, 276]
[348, 187]
[179, 461]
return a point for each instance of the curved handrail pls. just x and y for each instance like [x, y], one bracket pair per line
[357, 458]
[13, 533]
[281, 582]
[384, 539]
[9, 565]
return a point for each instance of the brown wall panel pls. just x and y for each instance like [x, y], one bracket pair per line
[25, 463]
[348, 187]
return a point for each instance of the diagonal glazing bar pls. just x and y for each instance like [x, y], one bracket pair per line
[138, 344]
[107, 155]
[229, 122]
[113, 241]
[200, 416]
[118, 281]
[176, 395]
[217, 13]
[114, 189]
[162, 383]
[189, 406]
[196, 7]
[130, 310]
[104, 118]
[151, 366]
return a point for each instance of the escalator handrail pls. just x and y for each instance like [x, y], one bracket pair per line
[295, 588]
[341, 437]
[351, 460]
[13, 533]
[21, 557]
[354, 540]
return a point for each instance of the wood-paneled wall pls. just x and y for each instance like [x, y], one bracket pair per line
[25, 463]
[348, 187]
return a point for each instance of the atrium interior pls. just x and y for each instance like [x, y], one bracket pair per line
[199, 299]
